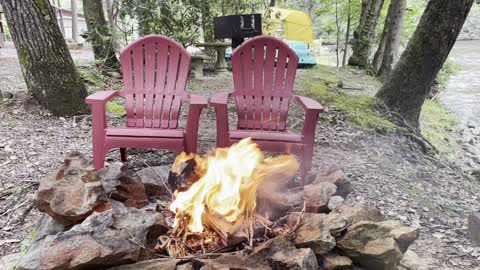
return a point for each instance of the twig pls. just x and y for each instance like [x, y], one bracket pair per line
[31, 162]
[300, 218]
[14, 208]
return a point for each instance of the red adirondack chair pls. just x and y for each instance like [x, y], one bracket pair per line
[155, 71]
[263, 74]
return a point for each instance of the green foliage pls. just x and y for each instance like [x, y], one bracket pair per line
[178, 19]
[116, 109]
[358, 110]
[440, 127]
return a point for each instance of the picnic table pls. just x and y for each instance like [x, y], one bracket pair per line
[220, 47]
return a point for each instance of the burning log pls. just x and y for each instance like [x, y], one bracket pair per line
[239, 231]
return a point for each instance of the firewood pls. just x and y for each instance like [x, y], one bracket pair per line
[230, 233]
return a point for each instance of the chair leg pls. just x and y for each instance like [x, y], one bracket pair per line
[98, 158]
[306, 162]
[123, 154]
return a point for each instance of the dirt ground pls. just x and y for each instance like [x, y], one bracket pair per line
[387, 171]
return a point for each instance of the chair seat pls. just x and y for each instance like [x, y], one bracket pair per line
[281, 136]
[145, 132]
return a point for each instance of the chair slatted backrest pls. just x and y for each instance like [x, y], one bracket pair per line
[264, 71]
[155, 72]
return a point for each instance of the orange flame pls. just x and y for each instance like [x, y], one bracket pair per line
[228, 184]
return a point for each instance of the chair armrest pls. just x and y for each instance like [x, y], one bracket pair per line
[197, 103]
[309, 104]
[197, 100]
[219, 99]
[102, 97]
[220, 102]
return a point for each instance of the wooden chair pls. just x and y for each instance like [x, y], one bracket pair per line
[263, 74]
[155, 72]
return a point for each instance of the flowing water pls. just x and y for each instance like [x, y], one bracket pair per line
[462, 95]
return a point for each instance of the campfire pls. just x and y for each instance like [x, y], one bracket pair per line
[229, 209]
[216, 197]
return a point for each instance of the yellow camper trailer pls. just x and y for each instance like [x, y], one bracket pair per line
[293, 24]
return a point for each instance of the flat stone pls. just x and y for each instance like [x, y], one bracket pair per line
[151, 178]
[230, 262]
[72, 193]
[158, 264]
[336, 262]
[123, 185]
[411, 261]
[282, 254]
[357, 213]
[104, 239]
[317, 196]
[333, 174]
[377, 245]
[314, 232]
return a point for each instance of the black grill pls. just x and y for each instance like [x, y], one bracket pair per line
[237, 27]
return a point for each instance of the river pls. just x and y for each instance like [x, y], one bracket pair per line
[462, 94]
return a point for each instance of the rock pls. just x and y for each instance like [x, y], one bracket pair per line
[377, 245]
[411, 261]
[403, 235]
[123, 185]
[336, 262]
[474, 227]
[8, 262]
[335, 202]
[158, 264]
[46, 225]
[354, 214]
[151, 178]
[317, 196]
[104, 239]
[315, 232]
[230, 262]
[72, 193]
[282, 254]
[335, 175]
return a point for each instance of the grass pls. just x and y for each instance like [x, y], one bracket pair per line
[359, 110]
[440, 127]
[118, 110]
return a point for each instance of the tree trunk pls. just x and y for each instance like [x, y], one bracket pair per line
[347, 34]
[110, 14]
[47, 66]
[337, 49]
[365, 33]
[378, 57]
[207, 21]
[396, 12]
[427, 50]
[99, 34]
[73, 6]
[60, 17]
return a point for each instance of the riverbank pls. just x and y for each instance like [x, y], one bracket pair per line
[387, 170]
